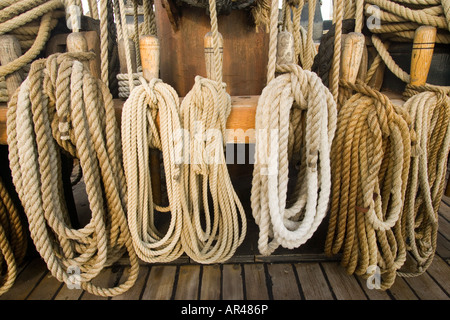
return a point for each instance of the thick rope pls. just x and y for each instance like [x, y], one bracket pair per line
[370, 162]
[430, 113]
[13, 241]
[296, 118]
[61, 105]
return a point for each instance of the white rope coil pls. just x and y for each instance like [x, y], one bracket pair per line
[296, 116]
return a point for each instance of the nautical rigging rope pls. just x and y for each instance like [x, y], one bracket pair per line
[61, 105]
[370, 162]
[13, 240]
[295, 119]
[210, 234]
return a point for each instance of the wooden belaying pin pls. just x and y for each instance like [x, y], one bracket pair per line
[76, 42]
[285, 48]
[149, 50]
[10, 51]
[352, 52]
[422, 54]
[208, 43]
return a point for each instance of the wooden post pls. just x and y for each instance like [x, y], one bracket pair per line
[10, 51]
[149, 49]
[422, 53]
[76, 42]
[209, 54]
[285, 48]
[352, 52]
[421, 56]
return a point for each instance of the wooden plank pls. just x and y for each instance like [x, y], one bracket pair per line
[106, 279]
[65, 293]
[188, 279]
[160, 283]
[46, 288]
[401, 291]
[444, 210]
[344, 286]
[135, 291]
[313, 282]
[443, 247]
[26, 280]
[373, 294]
[232, 282]
[426, 288]
[444, 227]
[284, 283]
[255, 282]
[210, 289]
[439, 270]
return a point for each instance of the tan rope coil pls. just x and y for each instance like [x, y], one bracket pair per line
[62, 105]
[430, 113]
[210, 234]
[139, 133]
[370, 162]
[13, 240]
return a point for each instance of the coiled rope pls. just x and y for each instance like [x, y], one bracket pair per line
[139, 132]
[61, 105]
[13, 240]
[31, 22]
[295, 119]
[210, 234]
[370, 160]
[430, 112]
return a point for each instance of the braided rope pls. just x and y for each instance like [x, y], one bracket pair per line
[61, 105]
[296, 115]
[13, 242]
[430, 113]
[370, 159]
[139, 132]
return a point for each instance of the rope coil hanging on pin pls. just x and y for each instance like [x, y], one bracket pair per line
[139, 133]
[61, 107]
[211, 231]
[295, 121]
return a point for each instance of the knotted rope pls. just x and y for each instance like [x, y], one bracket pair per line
[370, 160]
[13, 240]
[295, 119]
[61, 105]
[139, 132]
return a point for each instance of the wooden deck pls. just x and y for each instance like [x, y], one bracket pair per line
[298, 279]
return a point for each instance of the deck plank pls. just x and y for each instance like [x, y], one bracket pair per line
[26, 280]
[134, 292]
[426, 288]
[68, 294]
[443, 247]
[400, 290]
[46, 288]
[255, 282]
[444, 210]
[373, 294]
[439, 270]
[232, 282]
[211, 287]
[444, 227]
[313, 282]
[344, 286]
[188, 279]
[160, 283]
[106, 279]
[284, 283]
